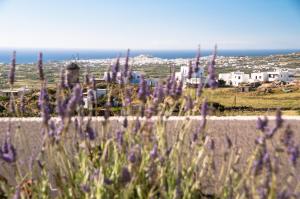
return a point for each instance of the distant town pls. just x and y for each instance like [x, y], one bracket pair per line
[233, 70]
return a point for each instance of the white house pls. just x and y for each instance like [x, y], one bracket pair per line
[280, 75]
[259, 77]
[270, 76]
[234, 78]
[184, 73]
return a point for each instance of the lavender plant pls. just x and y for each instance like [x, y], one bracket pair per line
[140, 158]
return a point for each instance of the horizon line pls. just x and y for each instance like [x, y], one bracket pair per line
[138, 49]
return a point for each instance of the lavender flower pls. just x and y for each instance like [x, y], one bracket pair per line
[61, 106]
[132, 157]
[125, 122]
[154, 152]
[142, 89]
[119, 138]
[126, 66]
[86, 78]
[7, 150]
[261, 124]
[12, 105]
[135, 154]
[190, 71]
[204, 110]
[196, 69]
[178, 91]
[158, 94]
[115, 69]
[125, 176]
[127, 97]
[294, 153]
[91, 97]
[258, 165]
[137, 125]
[44, 105]
[149, 111]
[228, 141]
[78, 127]
[168, 86]
[40, 67]
[11, 75]
[278, 120]
[90, 131]
[211, 71]
[287, 138]
[75, 99]
[85, 188]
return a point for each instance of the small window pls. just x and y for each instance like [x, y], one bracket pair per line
[239, 77]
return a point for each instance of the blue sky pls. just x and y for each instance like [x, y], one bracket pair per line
[150, 24]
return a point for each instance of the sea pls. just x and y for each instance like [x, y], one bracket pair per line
[30, 56]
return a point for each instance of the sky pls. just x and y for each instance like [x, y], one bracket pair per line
[150, 24]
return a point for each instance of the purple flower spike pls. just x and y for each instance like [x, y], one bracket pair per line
[196, 69]
[44, 105]
[178, 91]
[126, 66]
[125, 122]
[190, 72]
[287, 138]
[127, 96]
[125, 176]
[11, 75]
[261, 124]
[204, 110]
[158, 94]
[142, 89]
[119, 138]
[278, 119]
[211, 71]
[90, 131]
[294, 154]
[12, 105]
[137, 125]
[87, 76]
[115, 69]
[75, 99]
[7, 150]
[40, 67]
[132, 157]
[154, 152]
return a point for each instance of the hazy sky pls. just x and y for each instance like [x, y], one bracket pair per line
[150, 24]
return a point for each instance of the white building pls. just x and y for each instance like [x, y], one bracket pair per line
[280, 75]
[259, 77]
[270, 76]
[234, 78]
[184, 73]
